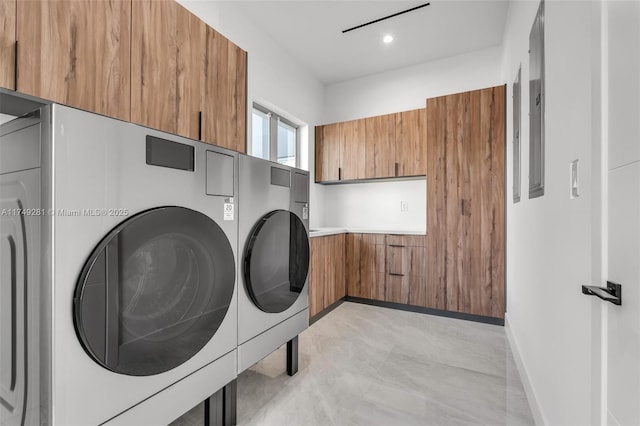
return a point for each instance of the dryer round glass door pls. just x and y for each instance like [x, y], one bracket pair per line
[276, 261]
[154, 291]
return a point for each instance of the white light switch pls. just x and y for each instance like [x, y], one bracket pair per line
[574, 180]
[404, 206]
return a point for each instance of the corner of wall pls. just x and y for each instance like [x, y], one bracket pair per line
[534, 405]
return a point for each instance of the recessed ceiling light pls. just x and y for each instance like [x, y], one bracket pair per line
[388, 39]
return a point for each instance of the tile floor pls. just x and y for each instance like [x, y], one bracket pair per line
[366, 365]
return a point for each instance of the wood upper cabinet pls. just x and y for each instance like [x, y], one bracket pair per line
[465, 211]
[167, 67]
[380, 146]
[392, 145]
[224, 105]
[326, 272]
[353, 149]
[7, 44]
[328, 150]
[411, 142]
[76, 53]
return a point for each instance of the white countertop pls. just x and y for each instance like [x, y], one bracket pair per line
[320, 232]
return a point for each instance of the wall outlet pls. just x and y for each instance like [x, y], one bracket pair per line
[404, 206]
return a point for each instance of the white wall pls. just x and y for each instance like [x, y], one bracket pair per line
[378, 205]
[275, 80]
[550, 239]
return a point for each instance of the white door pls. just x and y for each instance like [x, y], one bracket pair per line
[620, 361]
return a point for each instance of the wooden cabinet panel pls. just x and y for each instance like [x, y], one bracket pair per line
[76, 53]
[167, 67]
[316, 275]
[465, 212]
[410, 142]
[7, 44]
[328, 140]
[353, 154]
[327, 272]
[224, 106]
[191, 37]
[380, 146]
[154, 95]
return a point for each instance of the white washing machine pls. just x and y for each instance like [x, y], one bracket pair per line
[273, 300]
[139, 242]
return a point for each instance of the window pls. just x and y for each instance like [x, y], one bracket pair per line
[274, 138]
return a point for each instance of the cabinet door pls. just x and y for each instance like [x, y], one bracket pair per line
[465, 212]
[411, 144]
[373, 267]
[380, 146]
[76, 53]
[337, 256]
[328, 142]
[167, 67]
[7, 44]
[353, 154]
[154, 64]
[224, 106]
[317, 271]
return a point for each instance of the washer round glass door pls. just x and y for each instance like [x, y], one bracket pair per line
[276, 261]
[154, 291]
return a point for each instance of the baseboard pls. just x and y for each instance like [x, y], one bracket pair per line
[429, 311]
[534, 405]
[326, 310]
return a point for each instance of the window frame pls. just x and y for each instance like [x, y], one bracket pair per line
[274, 119]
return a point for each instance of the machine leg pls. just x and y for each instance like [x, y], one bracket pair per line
[214, 409]
[292, 356]
[230, 407]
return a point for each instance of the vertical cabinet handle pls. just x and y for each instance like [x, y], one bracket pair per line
[397, 166]
[15, 67]
[200, 125]
[339, 173]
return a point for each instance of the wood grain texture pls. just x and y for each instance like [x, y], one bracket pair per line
[465, 212]
[328, 142]
[316, 275]
[336, 254]
[191, 37]
[353, 153]
[410, 141]
[224, 106]
[380, 146]
[154, 64]
[76, 53]
[7, 43]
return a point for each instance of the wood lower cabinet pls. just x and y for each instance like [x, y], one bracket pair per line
[326, 272]
[406, 269]
[76, 53]
[465, 209]
[167, 67]
[365, 266]
[7, 44]
[389, 268]
[224, 105]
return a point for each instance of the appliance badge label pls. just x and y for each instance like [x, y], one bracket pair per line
[228, 211]
[305, 212]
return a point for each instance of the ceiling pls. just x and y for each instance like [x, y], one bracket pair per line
[311, 31]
